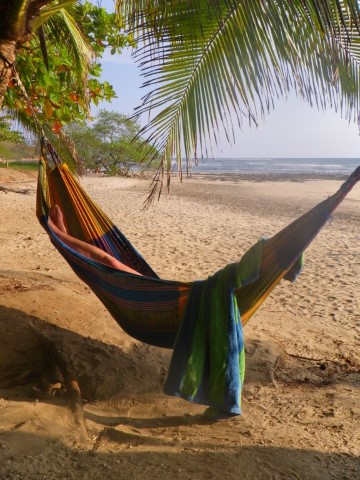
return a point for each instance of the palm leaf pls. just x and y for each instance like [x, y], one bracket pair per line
[59, 22]
[64, 25]
[210, 64]
[48, 11]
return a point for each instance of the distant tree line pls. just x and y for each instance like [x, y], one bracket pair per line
[13, 144]
[110, 144]
[7, 133]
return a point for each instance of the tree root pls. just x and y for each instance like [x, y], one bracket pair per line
[57, 351]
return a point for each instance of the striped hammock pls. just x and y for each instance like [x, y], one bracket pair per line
[151, 309]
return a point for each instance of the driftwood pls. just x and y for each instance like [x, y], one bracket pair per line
[23, 191]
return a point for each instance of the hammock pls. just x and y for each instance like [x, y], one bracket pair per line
[151, 309]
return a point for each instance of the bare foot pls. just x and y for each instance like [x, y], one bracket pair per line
[57, 218]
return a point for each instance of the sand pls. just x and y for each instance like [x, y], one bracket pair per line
[301, 400]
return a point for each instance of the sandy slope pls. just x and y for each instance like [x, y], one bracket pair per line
[301, 402]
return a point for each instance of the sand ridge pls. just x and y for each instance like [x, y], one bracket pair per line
[301, 397]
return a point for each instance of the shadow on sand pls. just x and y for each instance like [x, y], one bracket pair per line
[121, 456]
[102, 370]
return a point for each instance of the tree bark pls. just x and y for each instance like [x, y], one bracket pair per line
[8, 50]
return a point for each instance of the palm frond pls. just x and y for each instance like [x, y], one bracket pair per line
[47, 11]
[59, 23]
[62, 28]
[210, 64]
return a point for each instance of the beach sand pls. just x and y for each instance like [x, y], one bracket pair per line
[301, 399]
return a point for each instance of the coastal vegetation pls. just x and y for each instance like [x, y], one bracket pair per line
[7, 133]
[110, 144]
[56, 51]
[21, 165]
[13, 145]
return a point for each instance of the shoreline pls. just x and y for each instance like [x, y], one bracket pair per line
[240, 177]
[268, 177]
[9, 174]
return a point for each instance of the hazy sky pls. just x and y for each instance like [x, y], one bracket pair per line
[293, 129]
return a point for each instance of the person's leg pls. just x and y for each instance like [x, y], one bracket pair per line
[56, 223]
[57, 218]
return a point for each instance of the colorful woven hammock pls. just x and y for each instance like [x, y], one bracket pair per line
[146, 307]
[202, 320]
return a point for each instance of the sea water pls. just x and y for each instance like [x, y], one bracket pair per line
[319, 166]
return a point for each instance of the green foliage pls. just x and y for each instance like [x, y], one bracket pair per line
[7, 133]
[110, 144]
[16, 151]
[5, 151]
[64, 92]
[33, 166]
[13, 144]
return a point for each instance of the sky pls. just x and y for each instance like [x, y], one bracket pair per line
[292, 129]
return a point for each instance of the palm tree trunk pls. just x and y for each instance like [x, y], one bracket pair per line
[7, 50]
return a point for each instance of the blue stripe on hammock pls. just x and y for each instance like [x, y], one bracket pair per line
[157, 291]
[116, 244]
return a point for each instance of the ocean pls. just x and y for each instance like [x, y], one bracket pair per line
[273, 166]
